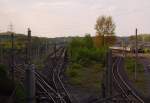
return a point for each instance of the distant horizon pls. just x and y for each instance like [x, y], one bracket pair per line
[73, 35]
[67, 35]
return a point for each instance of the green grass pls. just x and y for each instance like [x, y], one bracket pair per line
[86, 77]
[20, 93]
[86, 63]
[130, 65]
[7, 87]
[140, 81]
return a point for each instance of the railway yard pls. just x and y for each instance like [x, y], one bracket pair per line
[74, 51]
[48, 83]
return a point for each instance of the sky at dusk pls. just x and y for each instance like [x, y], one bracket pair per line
[55, 18]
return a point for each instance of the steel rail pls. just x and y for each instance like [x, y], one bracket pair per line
[50, 97]
[114, 75]
[57, 95]
[41, 79]
[59, 73]
[56, 74]
[38, 82]
[129, 88]
[46, 83]
[58, 82]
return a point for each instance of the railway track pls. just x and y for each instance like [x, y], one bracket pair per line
[54, 72]
[49, 86]
[128, 95]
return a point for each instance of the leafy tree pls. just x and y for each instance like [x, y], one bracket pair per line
[110, 40]
[88, 41]
[105, 27]
[97, 41]
[82, 50]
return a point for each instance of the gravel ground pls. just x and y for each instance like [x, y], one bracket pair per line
[81, 95]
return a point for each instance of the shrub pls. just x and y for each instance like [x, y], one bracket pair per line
[6, 85]
[146, 50]
[74, 70]
[3, 71]
[20, 94]
[130, 65]
[87, 62]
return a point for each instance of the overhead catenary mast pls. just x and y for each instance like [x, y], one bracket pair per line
[10, 30]
[136, 51]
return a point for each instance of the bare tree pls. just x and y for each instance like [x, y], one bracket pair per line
[105, 26]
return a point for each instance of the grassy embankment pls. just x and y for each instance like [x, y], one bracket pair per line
[7, 87]
[140, 82]
[86, 63]
[38, 46]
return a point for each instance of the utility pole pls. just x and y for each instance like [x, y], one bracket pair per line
[1, 54]
[12, 51]
[123, 49]
[12, 55]
[136, 55]
[30, 73]
[55, 49]
[29, 47]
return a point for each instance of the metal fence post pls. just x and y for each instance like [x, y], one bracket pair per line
[103, 90]
[109, 74]
[110, 71]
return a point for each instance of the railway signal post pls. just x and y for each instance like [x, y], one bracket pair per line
[30, 73]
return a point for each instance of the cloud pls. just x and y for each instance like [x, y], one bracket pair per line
[71, 17]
